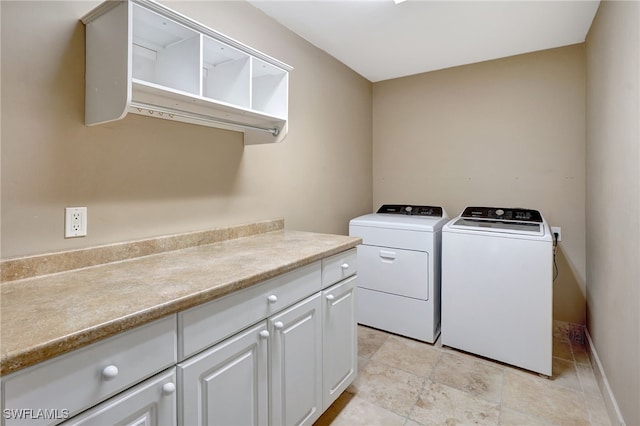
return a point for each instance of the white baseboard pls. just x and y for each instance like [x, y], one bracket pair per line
[609, 399]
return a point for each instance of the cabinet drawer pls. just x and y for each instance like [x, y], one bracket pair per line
[151, 403]
[76, 381]
[207, 324]
[338, 267]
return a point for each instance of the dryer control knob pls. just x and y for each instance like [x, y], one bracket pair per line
[499, 212]
[408, 209]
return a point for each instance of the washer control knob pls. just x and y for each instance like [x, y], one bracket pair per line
[499, 212]
[272, 299]
[408, 209]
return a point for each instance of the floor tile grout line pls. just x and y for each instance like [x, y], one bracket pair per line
[370, 358]
[422, 389]
[504, 373]
[580, 380]
[425, 379]
[504, 370]
[584, 394]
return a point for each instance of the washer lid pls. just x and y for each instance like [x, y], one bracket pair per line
[395, 221]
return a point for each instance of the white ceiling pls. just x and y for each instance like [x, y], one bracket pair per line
[381, 40]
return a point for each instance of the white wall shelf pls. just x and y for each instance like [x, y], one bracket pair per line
[144, 58]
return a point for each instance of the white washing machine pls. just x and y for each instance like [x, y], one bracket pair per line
[497, 294]
[399, 269]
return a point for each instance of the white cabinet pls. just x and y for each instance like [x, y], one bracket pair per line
[277, 353]
[145, 58]
[339, 332]
[202, 326]
[73, 382]
[227, 384]
[296, 363]
[339, 266]
[339, 339]
[151, 403]
[270, 373]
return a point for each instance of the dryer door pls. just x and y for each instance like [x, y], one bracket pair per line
[395, 271]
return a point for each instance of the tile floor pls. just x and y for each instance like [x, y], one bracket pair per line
[405, 382]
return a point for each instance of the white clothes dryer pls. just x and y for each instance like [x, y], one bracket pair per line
[497, 278]
[399, 269]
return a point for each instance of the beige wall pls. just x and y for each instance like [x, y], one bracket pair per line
[508, 132]
[142, 177]
[613, 198]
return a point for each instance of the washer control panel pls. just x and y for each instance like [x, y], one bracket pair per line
[503, 213]
[411, 210]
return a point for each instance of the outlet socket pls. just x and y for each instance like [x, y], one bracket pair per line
[75, 222]
[557, 230]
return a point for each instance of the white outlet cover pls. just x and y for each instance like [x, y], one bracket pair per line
[75, 222]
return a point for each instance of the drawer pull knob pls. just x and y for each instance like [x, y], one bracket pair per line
[278, 325]
[330, 297]
[168, 388]
[272, 299]
[264, 334]
[345, 266]
[110, 372]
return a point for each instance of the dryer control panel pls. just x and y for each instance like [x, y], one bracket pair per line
[503, 213]
[431, 211]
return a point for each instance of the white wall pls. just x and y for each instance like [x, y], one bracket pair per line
[613, 198]
[508, 132]
[142, 177]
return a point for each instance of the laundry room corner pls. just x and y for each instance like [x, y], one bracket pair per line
[508, 132]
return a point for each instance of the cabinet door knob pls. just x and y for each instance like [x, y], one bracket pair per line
[330, 297]
[272, 299]
[345, 266]
[264, 334]
[109, 372]
[278, 325]
[169, 388]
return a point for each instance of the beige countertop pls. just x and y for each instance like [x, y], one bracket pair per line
[46, 316]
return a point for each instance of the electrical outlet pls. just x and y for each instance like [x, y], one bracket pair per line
[75, 222]
[557, 230]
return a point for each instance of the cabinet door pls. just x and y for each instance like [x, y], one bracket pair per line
[296, 363]
[227, 384]
[339, 339]
[151, 403]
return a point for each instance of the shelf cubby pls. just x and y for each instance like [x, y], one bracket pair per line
[226, 73]
[268, 88]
